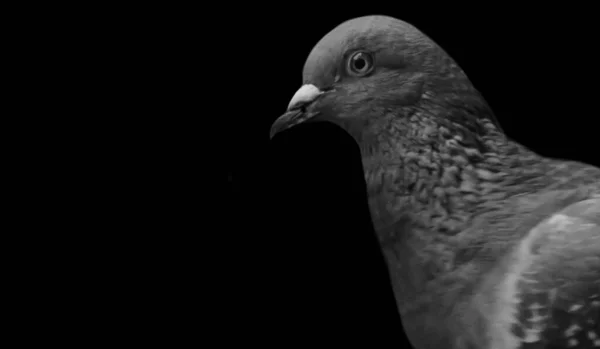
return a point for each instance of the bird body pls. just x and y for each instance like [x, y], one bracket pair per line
[488, 244]
[480, 238]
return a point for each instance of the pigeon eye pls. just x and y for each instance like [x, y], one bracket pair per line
[360, 64]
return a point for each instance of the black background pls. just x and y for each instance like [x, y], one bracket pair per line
[181, 93]
[317, 274]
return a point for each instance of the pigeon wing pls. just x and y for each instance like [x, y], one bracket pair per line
[550, 295]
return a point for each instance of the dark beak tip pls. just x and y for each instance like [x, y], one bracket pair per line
[277, 127]
[285, 121]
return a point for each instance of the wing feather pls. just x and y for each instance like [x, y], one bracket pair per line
[550, 295]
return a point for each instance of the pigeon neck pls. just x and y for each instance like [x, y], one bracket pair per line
[446, 178]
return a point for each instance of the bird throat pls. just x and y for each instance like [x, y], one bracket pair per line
[440, 173]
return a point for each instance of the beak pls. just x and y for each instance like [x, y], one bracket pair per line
[296, 114]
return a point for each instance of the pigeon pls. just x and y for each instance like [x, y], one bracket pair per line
[488, 244]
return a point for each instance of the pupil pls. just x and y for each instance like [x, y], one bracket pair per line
[359, 63]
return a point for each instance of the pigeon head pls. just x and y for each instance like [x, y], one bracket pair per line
[370, 72]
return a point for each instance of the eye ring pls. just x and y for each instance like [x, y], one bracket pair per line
[359, 63]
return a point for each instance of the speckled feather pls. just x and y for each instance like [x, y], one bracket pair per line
[488, 244]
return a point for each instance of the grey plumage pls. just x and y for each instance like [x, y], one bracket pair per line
[488, 244]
